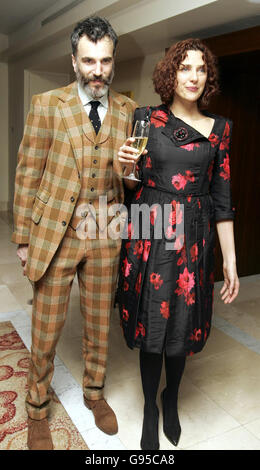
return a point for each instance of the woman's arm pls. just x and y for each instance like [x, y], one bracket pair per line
[230, 288]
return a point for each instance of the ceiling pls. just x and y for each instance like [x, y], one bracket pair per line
[15, 13]
[219, 17]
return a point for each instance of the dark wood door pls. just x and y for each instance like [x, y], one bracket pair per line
[240, 101]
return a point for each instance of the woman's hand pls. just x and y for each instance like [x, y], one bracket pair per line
[230, 288]
[129, 155]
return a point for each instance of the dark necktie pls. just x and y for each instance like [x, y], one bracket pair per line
[93, 115]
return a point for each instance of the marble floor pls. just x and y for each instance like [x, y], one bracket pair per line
[219, 401]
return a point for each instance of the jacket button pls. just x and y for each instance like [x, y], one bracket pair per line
[96, 147]
[95, 161]
[93, 175]
[64, 223]
[72, 199]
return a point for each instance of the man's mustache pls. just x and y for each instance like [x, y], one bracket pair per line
[106, 81]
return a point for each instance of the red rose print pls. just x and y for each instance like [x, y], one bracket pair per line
[204, 241]
[138, 194]
[180, 243]
[224, 144]
[189, 147]
[126, 267]
[151, 183]
[164, 310]
[199, 203]
[170, 232]
[138, 249]
[130, 231]
[138, 283]
[189, 198]
[190, 298]
[181, 251]
[179, 181]
[214, 140]
[156, 280]
[153, 214]
[176, 213]
[226, 173]
[126, 286]
[194, 252]
[148, 162]
[185, 282]
[190, 176]
[147, 246]
[125, 314]
[159, 118]
[127, 246]
[140, 329]
[196, 336]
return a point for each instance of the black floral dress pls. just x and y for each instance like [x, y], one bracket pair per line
[166, 274]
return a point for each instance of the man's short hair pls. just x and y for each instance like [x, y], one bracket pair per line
[95, 28]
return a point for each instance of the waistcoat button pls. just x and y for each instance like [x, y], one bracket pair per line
[96, 147]
[92, 189]
[64, 223]
[72, 199]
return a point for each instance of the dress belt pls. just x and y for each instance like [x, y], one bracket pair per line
[177, 194]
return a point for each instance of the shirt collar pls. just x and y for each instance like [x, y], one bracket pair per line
[85, 98]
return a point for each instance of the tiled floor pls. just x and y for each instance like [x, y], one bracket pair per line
[219, 400]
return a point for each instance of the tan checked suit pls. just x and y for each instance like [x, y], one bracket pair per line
[63, 167]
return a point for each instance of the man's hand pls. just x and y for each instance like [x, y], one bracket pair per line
[22, 252]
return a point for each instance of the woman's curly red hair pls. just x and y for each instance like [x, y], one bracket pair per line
[164, 76]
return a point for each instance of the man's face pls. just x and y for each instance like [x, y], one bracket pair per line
[94, 65]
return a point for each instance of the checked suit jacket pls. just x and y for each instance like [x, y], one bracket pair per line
[48, 174]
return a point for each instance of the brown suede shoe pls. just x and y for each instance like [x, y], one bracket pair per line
[39, 435]
[105, 417]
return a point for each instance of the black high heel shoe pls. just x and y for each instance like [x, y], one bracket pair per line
[174, 431]
[150, 440]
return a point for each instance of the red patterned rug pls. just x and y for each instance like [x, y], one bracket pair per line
[14, 362]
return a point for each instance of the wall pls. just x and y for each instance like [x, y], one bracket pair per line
[4, 166]
[136, 75]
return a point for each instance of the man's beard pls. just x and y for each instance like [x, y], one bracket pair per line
[92, 91]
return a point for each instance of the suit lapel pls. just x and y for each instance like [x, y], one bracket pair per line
[119, 119]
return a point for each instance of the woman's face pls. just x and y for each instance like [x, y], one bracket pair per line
[191, 77]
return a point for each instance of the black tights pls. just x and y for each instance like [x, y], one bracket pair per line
[151, 367]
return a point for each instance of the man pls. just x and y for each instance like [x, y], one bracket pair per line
[67, 160]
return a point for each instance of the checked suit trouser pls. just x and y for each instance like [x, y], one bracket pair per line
[96, 263]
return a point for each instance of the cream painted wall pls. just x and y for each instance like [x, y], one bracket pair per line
[136, 75]
[4, 156]
[39, 82]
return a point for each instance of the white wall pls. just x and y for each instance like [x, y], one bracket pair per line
[4, 166]
[39, 82]
[136, 75]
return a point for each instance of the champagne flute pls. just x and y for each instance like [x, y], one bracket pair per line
[140, 133]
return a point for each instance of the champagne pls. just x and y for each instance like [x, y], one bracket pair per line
[139, 144]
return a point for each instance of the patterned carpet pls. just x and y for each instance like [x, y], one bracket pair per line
[14, 362]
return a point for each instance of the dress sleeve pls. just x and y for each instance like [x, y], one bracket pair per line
[220, 187]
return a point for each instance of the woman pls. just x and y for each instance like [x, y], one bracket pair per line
[166, 295]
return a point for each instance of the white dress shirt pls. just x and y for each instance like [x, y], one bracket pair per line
[85, 99]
